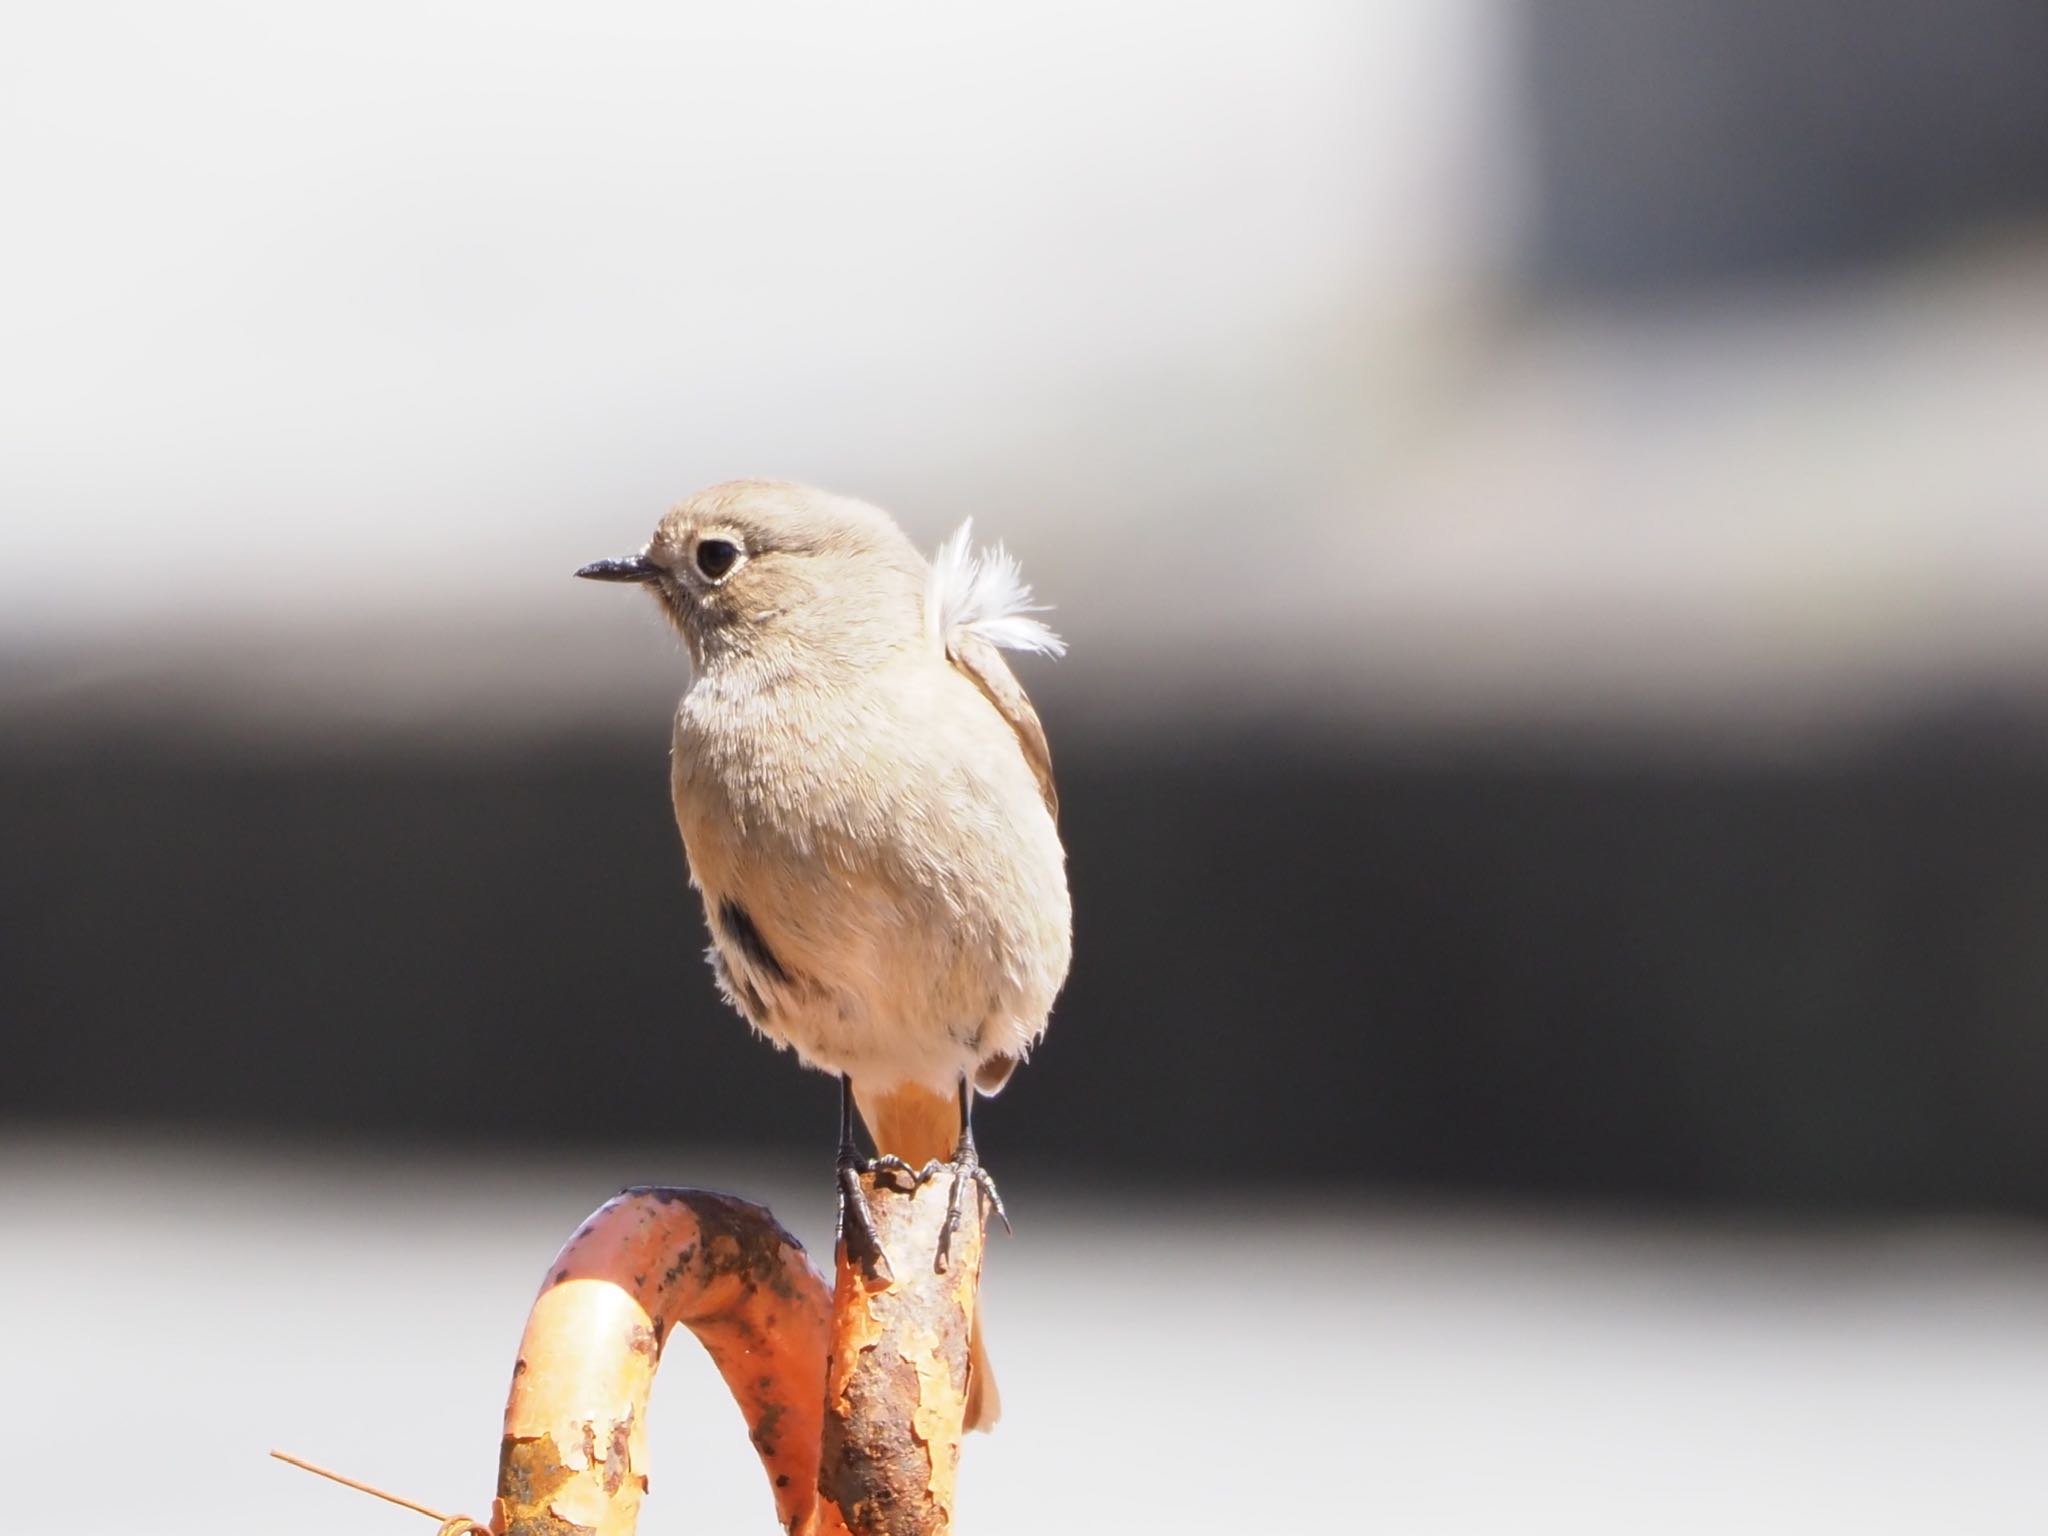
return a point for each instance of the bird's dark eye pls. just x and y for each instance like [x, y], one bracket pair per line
[715, 557]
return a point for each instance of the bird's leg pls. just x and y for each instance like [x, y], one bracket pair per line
[856, 1220]
[967, 1170]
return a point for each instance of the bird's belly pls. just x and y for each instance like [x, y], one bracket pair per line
[867, 982]
[872, 1047]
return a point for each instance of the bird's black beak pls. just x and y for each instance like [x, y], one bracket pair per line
[632, 568]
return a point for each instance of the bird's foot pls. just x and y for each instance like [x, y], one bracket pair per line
[857, 1232]
[857, 1217]
[967, 1169]
[901, 1177]
[857, 1228]
[892, 1170]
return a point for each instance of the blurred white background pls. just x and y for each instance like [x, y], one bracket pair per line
[1195, 1365]
[316, 318]
[412, 311]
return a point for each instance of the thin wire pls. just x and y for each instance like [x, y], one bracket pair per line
[451, 1525]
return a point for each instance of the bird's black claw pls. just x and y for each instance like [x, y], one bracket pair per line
[857, 1232]
[899, 1173]
[967, 1170]
[995, 1198]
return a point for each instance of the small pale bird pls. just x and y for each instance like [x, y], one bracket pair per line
[866, 800]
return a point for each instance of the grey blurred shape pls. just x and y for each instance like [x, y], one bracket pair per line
[1709, 140]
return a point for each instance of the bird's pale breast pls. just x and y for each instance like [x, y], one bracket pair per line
[883, 881]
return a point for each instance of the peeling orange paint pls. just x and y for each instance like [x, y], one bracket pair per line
[854, 1400]
[896, 1383]
[574, 1454]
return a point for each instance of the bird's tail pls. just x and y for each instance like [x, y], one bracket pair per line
[919, 1126]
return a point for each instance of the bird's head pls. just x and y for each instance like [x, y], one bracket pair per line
[780, 577]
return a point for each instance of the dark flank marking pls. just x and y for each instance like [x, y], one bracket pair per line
[740, 992]
[741, 933]
[755, 1005]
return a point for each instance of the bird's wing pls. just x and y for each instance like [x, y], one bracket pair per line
[984, 666]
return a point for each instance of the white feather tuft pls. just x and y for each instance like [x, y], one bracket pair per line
[983, 593]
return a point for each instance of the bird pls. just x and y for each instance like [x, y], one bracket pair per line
[866, 804]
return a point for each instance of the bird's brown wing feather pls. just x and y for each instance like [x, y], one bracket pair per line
[984, 666]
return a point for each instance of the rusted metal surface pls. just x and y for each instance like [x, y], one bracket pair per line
[853, 1399]
[896, 1382]
[574, 1455]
